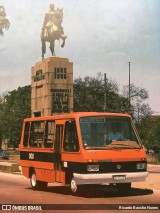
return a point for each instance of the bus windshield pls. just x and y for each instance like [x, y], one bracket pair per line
[108, 133]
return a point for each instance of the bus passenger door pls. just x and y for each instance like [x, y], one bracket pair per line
[57, 151]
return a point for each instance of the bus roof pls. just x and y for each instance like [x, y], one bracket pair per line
[77, 115]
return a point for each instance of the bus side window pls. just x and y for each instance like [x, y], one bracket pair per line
[49, 134]
[36, 134]
[71, 143]
[26, 134]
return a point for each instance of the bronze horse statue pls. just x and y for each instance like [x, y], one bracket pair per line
[53, 31]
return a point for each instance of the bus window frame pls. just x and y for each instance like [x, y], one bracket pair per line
[39, 141]
[27, 122]
[45, 121]
[54, 134]
[136, 132]
[131, 124]
[74, 150]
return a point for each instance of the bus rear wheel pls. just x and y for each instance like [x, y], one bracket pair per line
[36, 184]
[123, 188]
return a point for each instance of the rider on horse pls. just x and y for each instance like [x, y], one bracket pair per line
[48, 21]
[52, 29]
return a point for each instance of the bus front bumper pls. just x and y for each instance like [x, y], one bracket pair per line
[110, 178]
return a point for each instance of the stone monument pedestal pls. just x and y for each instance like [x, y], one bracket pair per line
[52, 87]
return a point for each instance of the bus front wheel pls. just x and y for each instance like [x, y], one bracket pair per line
[36, 184]
[75, 189]
[123, 188]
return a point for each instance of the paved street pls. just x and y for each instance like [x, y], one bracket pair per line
[15, 189]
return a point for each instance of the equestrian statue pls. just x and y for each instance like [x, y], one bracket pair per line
[52, 29]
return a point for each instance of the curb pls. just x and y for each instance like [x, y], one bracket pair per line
[9, 167]
[156, 191]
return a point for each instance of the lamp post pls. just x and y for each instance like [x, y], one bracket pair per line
[105, 90]
[129, 87]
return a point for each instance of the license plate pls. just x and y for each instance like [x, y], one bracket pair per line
[119, 177]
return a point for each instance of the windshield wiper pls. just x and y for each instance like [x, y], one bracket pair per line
[101, 147]
[127, 145]
[91, 147]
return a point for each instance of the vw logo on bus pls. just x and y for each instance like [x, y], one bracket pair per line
[118, 166]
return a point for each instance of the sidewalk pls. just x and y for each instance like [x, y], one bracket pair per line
[153, 165]
[153, 180]
[9, 167]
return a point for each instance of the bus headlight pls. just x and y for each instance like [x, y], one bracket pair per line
[141, 166]
[92, 168]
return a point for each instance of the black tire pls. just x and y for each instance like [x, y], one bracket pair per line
[43, 185]
[123, 188]
[36, 184]
[74, 188]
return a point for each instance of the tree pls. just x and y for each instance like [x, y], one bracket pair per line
[89, 94]
[4, 22]
[1, 123]
[137, 97]
[16, 107]
[2, 101]
[149, 130]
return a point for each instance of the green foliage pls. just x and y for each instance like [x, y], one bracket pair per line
[12, 112]
[89, 94]
[4, 22]
[149, 130]
[137, 97]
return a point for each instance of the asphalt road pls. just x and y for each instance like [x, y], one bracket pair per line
[15, 189]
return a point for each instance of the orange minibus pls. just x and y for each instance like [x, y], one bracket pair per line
[82, 148]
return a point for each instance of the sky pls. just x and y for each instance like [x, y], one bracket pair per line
[102, 36]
